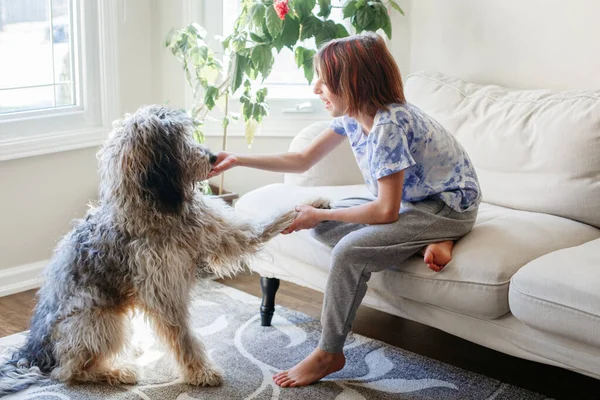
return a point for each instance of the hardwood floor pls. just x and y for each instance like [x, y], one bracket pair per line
[15, 311]
[558, 383]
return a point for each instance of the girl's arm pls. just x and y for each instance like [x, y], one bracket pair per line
[383, 210]
[283, 162]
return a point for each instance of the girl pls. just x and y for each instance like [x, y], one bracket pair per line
[425, 190]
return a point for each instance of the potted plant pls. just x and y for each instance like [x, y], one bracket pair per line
[262, 29]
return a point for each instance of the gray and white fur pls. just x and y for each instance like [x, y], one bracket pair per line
[140, 247]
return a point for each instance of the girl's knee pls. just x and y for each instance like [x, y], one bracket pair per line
[324, 232]
[347, 251]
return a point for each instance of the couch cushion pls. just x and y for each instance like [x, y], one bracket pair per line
[338, 168]
[558, 293]
[535, 150]
[475, 282]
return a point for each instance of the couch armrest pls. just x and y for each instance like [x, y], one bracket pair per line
[336, 169]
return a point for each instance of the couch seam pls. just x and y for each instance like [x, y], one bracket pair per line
[531, 297]
[496, 98]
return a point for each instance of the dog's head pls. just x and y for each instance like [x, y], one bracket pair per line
[151, 156]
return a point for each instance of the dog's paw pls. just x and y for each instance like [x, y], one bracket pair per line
[320, 202]
[123, 375]
[280, 222]
[205, 376]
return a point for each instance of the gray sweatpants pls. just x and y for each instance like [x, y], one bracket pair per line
[359, 250]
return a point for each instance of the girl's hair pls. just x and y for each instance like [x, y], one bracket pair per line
[361, 70]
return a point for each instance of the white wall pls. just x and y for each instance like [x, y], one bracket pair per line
[515, 43]
[41, 195]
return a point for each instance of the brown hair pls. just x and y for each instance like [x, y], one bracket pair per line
[361, 70]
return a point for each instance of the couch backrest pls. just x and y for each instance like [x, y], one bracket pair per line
[534, 150]
[338, 168]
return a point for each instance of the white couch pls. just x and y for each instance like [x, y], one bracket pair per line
[526, 280]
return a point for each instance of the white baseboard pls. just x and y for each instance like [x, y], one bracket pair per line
[21, 278]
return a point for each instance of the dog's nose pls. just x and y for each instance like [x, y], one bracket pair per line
[212, 159]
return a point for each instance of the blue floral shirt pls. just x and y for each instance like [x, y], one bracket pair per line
[404, 137]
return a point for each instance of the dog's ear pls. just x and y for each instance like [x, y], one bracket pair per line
[163, 178]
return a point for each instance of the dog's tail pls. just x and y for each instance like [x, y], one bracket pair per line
[17, 375]
[31, 363]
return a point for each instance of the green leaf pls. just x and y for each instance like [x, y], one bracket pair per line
[226, 121]
[262, 58]
[239, 67]
[256, 14]
[341, 31]
[387, 25]
[257, 38]
[238, 42]
[210, 95]
[380, 16]
[326, 33]
[305, 58]
[225, 42]
[196, 30]
[309, 69]
[260, 110]
[252, 73]
[311, 26]
[304, 8]
[198, 131]
[199, 55]
[247, 110]
[265, 32]
[325, 8]
[290, 34]
[349, 9]
[274, 24]
[261, 94]
[251, 128]
[396, 7]
[182, 44]
[364, 17]
[299, 55]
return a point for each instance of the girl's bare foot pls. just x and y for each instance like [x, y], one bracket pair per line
[437, 255]
[315, 366]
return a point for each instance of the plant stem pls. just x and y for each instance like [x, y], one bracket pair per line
[224, 138]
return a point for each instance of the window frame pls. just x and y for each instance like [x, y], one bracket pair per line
[287, 116]
[44, 131]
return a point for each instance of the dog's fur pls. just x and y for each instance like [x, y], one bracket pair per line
[140, 247]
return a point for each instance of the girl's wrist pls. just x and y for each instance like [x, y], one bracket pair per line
[324, 214]
[237, 161]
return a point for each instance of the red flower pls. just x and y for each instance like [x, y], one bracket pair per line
[281, 8]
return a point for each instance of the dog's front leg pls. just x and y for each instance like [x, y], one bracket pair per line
[238, 238]
[274, 227]
[171, 323]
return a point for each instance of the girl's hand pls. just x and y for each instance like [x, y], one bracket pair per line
[224, 162]
[308, 217]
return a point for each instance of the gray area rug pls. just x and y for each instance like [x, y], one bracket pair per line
[229, 324]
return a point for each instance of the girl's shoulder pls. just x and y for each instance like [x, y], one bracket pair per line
[401, 115]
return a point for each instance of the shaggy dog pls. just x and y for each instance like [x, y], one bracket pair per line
[141, 247]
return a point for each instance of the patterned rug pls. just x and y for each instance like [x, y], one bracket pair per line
[229, 324]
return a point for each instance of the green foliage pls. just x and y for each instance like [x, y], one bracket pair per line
[259, 34]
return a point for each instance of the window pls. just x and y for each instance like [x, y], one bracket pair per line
[36, 44]
[56, 75]
[293, 104]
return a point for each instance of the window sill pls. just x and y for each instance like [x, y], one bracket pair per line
[31, 146]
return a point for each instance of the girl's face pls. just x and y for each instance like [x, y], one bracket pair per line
[334, 104]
